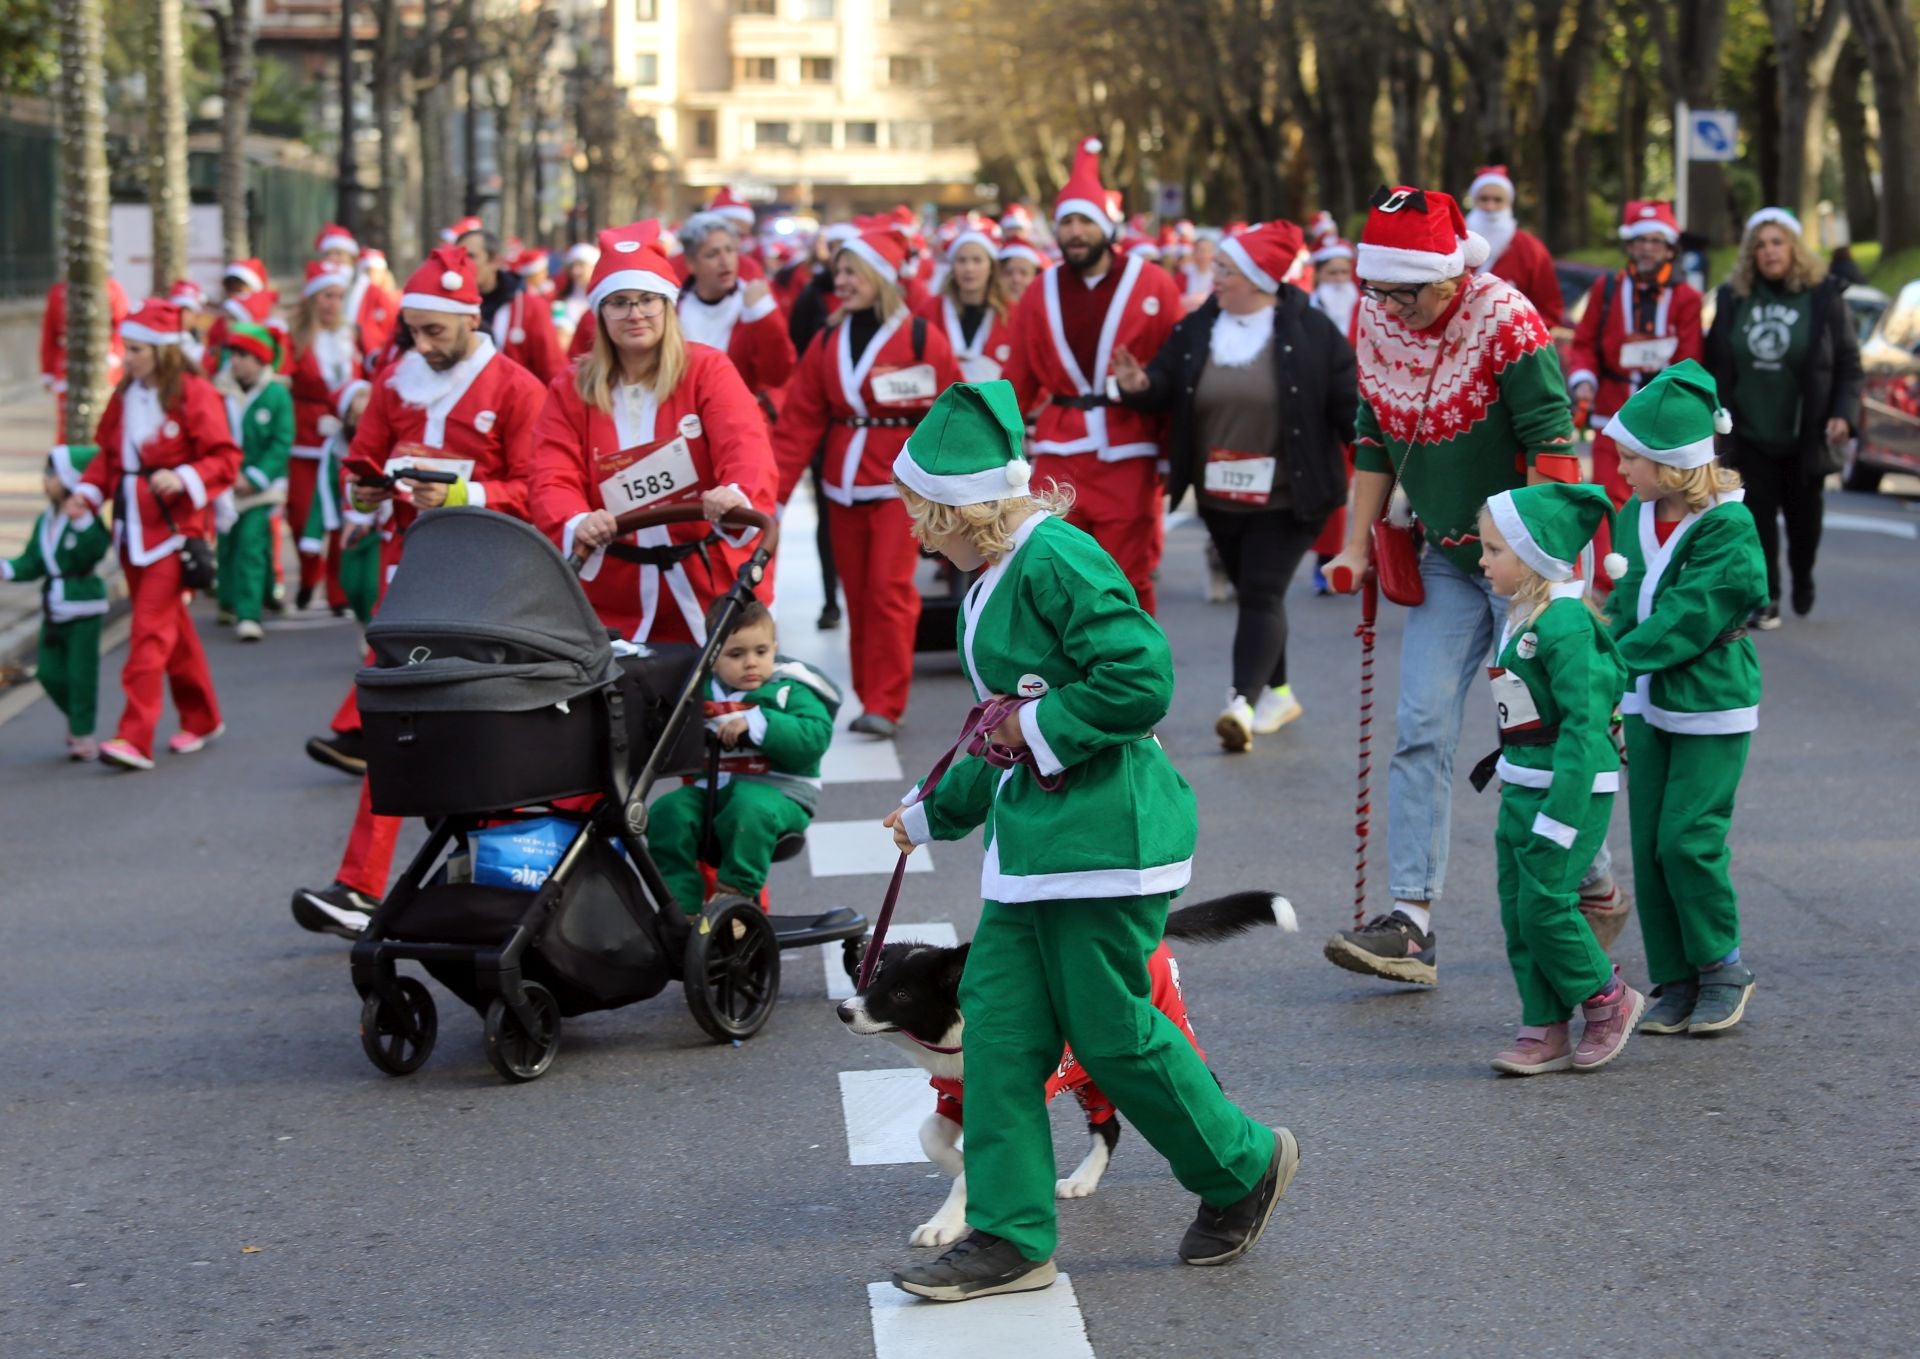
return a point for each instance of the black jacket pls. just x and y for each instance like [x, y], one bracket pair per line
[1314, 382]
[1830, 381]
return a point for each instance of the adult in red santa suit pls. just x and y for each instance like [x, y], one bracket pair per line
[53, 347]
[519, 322]
[717, 309]
[245, 297]
[373, 302]
[862, 386]
[648, 418]
[326, 358]
[1637, 322]
[451, 403]
[1518, 256]
[972, 306]
[1064, 334]
[166, 453]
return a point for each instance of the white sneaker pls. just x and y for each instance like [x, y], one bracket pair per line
[1274, 710]
[247, 630]
[1235, 724]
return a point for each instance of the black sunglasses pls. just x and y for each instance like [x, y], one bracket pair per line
[1400, 297]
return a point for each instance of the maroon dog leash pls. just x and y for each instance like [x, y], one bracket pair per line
[982, 719]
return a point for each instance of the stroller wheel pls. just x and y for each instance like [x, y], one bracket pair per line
[732, 972]
[398, 1040]
[515, 1053]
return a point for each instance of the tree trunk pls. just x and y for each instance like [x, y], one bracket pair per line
[1861, 198]
[1892, 47]
[83, 210]
[1804, 60]
[167, 139]
[1689, 64]
[386, 79]
[1564, 68]
[236, 107]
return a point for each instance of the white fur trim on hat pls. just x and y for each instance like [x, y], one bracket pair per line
[1652, 227]
[631, 281]
[1481, 181]
[1333, 250]
[580, 250]
[971, 237]
[1085, 207]
[335, 278]
[879, 262]
[1020, 250]
[839, 233]
[1696, 454]
[1390, 264]
[1778, 216]
[245, 275]
[338, 240]
[1506, 518]
[1243, 261]
[343, 400]
[1006, 482]
[133, 330]
[435, 302]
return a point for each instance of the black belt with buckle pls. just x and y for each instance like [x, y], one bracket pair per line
[663, 557]
[1090, 402]
[879, 421]
[1483, 772]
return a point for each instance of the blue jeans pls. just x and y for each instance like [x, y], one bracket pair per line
[1443, 653]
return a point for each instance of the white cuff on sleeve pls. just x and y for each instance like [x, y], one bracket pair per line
[914, 821]
[736, 537]
[477, 494]
[760, 310]
[258, 476]
[594, 558]
[6, 570]
[1556, 831]
[757, 725]
[196, 488]
[1043, 755]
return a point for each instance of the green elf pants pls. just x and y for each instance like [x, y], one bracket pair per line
[1679, 808]
[748, 817]
[246, 564]
[1042, 975]
[69, 669]
[360, 576]
[1556, 961]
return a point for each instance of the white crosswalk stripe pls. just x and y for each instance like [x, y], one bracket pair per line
[884, 1111]
[837, 849]
[1042, 1325]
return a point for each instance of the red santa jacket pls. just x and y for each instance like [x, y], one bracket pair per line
[53, 336]
[833, 388]
[1526, 264]
[136, 435]
[375, 312]
[708, 433]
[989, 354]
[754, 337]
[321, 372]
[1632, 347]
[522, 330]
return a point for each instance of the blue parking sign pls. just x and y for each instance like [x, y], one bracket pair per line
[1712, 134]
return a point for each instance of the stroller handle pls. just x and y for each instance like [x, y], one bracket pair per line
[649, 516]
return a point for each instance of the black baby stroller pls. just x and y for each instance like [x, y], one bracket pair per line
[494, 693]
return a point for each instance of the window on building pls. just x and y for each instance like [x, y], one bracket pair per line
[703, 132]
[755, 71]
[816, 134]
[759, 6]
[908, 71]
[817, 70]
[772, 134]
[646, 11]
[910, 136]
[646, 68]
[863, 134]
[816, 9]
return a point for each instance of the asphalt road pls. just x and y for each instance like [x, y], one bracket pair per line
[197, 1160]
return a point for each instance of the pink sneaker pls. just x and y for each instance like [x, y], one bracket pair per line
[186, 742]
[1609, 1025]
[1536, 1050]
[123, 755]
[82, 748]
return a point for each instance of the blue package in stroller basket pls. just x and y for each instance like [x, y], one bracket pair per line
[520, 854]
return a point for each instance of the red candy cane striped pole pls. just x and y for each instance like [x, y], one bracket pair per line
[1363, 799]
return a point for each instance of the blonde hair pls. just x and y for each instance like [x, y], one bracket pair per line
[599, 370]
[887, 297]
[996, 291]
[1536, 591]
[989, 525]
[1699, 486]
[1806, 270]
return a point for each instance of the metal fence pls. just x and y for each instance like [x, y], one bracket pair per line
[29, 208]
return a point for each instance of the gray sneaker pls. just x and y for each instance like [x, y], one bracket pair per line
[976, 1266]
[1672, 1006]
[1219, 1236]
[1723, 999]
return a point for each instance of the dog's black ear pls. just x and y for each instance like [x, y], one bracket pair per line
[956, 964]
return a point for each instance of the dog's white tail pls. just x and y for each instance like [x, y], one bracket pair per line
[1283, 913]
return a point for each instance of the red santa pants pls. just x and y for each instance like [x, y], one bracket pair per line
[368, 860]
[163, 643]
[1119, 504]
[303, 483]
[1606, 470]
[875, 551]
[1134, 543]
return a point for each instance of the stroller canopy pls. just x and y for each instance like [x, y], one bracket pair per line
[484, 615]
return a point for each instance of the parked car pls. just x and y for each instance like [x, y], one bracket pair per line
[1867, 305]
[1890, 407]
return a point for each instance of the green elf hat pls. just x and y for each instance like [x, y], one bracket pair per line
[1549, 525]
[70, 460]
[1673, 418]
[966, 449]
[246, 337]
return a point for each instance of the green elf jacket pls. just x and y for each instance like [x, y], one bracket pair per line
[789, 727]
[1055, 618]
[1561, 672]
[1678, 616]
[262, 421]
[64, 553]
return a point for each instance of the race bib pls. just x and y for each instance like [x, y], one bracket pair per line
[427, 460]
[1512, 700]
[1243, 477]
[900, 385]
[666, 474]
[1654, 354]
[978, 368]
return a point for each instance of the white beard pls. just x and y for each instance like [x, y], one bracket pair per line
[1497, 229]
[1237, 340]
[417, 384]
[336, 351]
[1338, 300]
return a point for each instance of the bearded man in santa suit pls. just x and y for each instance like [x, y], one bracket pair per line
[1065, 332]
[1518, 256]
[452, 403]
[519, 321]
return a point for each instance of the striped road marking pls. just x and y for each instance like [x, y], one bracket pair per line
[860, 759]
[1041, 1325]
[884, 1111]
[1872, 523]
[840, 985]
[838, 849]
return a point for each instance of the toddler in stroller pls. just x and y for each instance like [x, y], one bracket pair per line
[495, 696]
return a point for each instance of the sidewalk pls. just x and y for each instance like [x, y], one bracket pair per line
[26, 432]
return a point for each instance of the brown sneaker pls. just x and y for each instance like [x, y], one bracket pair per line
[1610, 1024]
[1607, 913]
[1536, 1050]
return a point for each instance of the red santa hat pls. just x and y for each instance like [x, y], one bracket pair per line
[371, 258]
[1416, 236]
[444, 282]
[1490, 174]
[1136, 242]
[256, 307]
[1016, 220]
[630, 261]
[1332, 248]
[1083, 193]
[904, 220]
[333, 236]
[321, 276]
[839, 233]
[466, 226]
[157, 322]
[1020, 250]
[1169, 237]
[1266, 254]
[531, 260]
[1650, 217]
[1322, 228]
[249, 271]
[580, 251]
[983, 234]
[186, 294]
[884, 251]
[732, 207]
[1186, 231]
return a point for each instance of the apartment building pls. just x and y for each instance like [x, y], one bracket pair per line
[821, 104]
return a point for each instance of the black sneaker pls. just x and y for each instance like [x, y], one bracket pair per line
[1389, 946]
[338, 909]
[978, 1266]
[1803, 596]
[1219, 1236]
[1767, 619]
[342, 750]
[302, 598]
[829, 616]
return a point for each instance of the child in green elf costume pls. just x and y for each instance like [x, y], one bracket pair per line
[261, 413]
[774, 723]
[1691, 572]
[65, 554]
[1556, 678]
[360, 541]
[1076, 880]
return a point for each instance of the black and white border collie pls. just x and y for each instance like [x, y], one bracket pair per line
[913, 1002]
